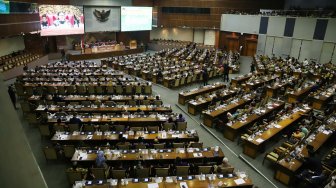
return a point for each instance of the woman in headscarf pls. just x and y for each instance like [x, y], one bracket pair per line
[100, 160]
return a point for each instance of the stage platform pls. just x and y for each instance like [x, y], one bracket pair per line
[76, 55]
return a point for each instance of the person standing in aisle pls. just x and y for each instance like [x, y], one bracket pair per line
[12, 95]
[226, 72]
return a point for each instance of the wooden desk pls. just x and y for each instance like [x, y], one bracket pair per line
[231, 132]
[251, 147]
[164, 155]
[240, 79]
[76, 57]
[150, 120]
[195, 107]
[257, 83]
[273, 91]
[323, 97]
[299, 94]
[112, 136]
[195, 182]
[183, 97]
[104, 109]
[286, 170]
[92, 98]
[209, 117]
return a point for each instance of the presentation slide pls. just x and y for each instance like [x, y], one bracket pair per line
[4, 7]
[61, 20]
[136, 18]
[99, 18]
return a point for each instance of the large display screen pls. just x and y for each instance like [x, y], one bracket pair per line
[136, 18]
[61, 20]
[4, 7]
[100, 18]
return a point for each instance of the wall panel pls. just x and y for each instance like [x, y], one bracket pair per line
[11, 44]
[199, 35]
[276, 26]
[305, 50]
[330, 35]
[269, 46]
[240, 23]
[209, 37]
[261, 44]
[304, 28]
[295, 49]
[327, 52]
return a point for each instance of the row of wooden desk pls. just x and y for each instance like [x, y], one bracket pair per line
[163, 155]
[79, 98]
[185, 96]
[104, 109]
[197, 181]
[209, 117]
[144, 121]
[252, 146]
[287, 169]
[231, 132]
[113, 136]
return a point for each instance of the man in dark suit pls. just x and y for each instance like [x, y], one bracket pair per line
[226, 72]
[12, 95]
[75, 120]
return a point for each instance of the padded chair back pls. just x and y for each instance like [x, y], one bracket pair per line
[105, 127]
[119, 128]
[153, 128]
[182, 170]
[178, 145]
[88, 128]
[168, 126]
[205, 169]
[181, 126]
[69, 150]
[128, 89]
[109, 89]
[226, 170]
[74, 176]
[142, 172]
[140, 146]
[161, 172]
[50, 153]
[119, 89]
[124, 147]
[99, 173]
[119, 174]
[138, 89]
[148, 90]
[159, 146]
[73, 127]
[136, 128]
[196, 145]
[44, 130]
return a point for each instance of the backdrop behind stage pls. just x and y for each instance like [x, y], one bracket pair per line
[101, 18]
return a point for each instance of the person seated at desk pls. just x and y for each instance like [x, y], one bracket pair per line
[56, 98]
[100, 160]
[139, 112]
[75, 120]
[61, 113]
[298, 134]
[180, 118]
[89, 175]
[123, 141]
[224, 164]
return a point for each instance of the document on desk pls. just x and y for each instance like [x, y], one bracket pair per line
[197, 154]
[153, 185]
[239, 181]
[260, 140]
[183, 185]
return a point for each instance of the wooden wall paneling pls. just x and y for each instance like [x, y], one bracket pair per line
[139, 36]
[144, 3]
